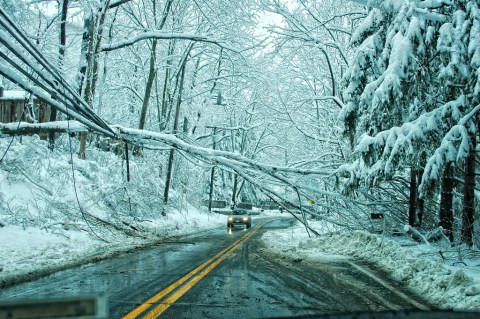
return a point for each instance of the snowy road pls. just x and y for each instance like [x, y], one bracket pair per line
[223, 274]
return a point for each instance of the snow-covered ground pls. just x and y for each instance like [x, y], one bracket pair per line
[43, 228]
[31, 251]
[450, 282]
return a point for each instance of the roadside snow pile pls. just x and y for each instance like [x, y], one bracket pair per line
[448, 287]
[43, 228]
[33, 251]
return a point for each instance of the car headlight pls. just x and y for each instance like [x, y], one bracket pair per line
[230, 219]
[245, 219]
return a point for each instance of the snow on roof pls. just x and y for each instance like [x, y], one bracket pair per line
[15, 95]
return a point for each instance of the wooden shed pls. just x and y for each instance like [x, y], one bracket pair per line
[15, 103]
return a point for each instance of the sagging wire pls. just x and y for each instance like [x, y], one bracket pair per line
[75, 185]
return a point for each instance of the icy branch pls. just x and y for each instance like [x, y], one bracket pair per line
[143, 137]
[117, 3]
[422, 10]
[166, 36]
[333, 98]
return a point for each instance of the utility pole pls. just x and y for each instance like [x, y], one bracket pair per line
[212, 173]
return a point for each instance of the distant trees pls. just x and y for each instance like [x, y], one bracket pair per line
[403, 76]
[310, 50]
[168, 59]
[412, 100]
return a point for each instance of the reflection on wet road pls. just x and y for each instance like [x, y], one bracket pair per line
[220, 274]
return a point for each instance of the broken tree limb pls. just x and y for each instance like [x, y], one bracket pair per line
[415, 234]
[436, 235]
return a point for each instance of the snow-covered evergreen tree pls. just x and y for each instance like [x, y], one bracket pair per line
[412, 87]
[412, 90]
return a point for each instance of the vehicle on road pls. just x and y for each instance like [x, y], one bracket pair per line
[239, 217]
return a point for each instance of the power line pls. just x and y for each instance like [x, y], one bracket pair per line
[23, 83]
[72, 100]
[20, 37]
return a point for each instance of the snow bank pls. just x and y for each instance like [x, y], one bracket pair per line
[31, 252]
[448, 287]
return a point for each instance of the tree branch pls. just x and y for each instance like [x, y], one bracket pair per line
[165, 36]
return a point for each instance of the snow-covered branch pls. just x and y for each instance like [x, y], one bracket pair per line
[423, 9]
[166, 36]
[390, 145]
[116, 3]
[143, 137]
[335, 99]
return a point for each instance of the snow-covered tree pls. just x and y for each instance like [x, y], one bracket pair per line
[412, 92]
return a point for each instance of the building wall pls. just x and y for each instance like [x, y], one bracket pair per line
[11, 111]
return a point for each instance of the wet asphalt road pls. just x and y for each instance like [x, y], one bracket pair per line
[247, 281]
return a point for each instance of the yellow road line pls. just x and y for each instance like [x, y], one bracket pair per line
[218, 257]
[158, 310]
[137, 311]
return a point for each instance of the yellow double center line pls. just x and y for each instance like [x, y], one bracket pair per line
[183, 284]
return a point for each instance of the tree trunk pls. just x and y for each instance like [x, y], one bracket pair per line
[148, 90]
[61, 55]
[151, 78]
[152, 73]
[86, 61]
[212, 174]
[446, 201]
[420, 201]
[413, 197]
[469, 195]
[175, 124]
[169, 177]
[166, 100]
[214, 85]
[89, 71]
